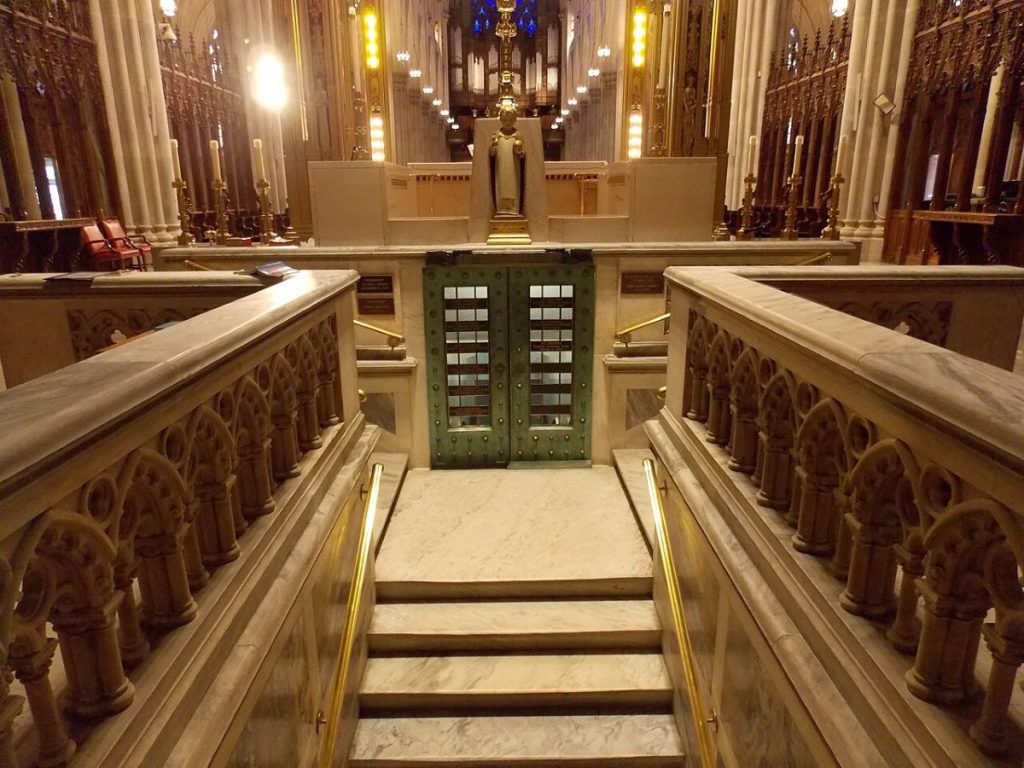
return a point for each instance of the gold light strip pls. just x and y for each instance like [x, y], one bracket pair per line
[701, 723]
[299, 75]
[348, 638]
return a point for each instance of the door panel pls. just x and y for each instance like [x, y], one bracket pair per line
[509, 363]
[551, 332]
[466, 322]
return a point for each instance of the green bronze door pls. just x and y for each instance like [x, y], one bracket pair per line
[509, 363]
[551, 336]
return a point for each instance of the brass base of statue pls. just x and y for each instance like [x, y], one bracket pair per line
[511, 230]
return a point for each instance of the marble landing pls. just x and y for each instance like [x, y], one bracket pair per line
[546, 625]
[597, 741]
[508, 534]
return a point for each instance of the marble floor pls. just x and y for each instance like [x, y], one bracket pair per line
[500, 527]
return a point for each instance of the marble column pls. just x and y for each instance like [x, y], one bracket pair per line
[879, 57]
[129, 65]
[19, 144]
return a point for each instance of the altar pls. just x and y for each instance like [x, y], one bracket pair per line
[644, 200]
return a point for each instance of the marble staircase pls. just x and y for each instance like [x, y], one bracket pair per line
[486, 683]
[515, 626]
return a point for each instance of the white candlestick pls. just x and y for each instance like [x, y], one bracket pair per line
[215, 159]
[797, 152]
[175, 159]
[752, 156]
[261, 169]
[841, 154]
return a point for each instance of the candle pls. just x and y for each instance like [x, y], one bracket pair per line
[752, 156]
[261, 169]
[797, 151]
[841, 154]
[175, 159]
[215, 159]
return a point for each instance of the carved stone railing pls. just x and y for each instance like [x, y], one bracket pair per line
[138, 491]
[837, 449]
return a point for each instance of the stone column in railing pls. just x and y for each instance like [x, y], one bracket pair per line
[743, 398]
[210, 465]
[329, 402]
[777, 427]
[157, 508]
[284, 416]
[719, 384]
[696, 398]
[822, 459]
[253, 429]
[132, 640]
[31, 656]
[990, 731]
[302, 358]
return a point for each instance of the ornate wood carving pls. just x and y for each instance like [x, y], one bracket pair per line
[966, 71]
[804, 96]
[47, 50]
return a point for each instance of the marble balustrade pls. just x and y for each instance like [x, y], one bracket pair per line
[146, 495]
[897, 468]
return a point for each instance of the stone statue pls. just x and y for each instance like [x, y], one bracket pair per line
[508, 157]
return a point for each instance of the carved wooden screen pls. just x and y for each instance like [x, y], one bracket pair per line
[956, 182]
[804, 97]
[48, 54]
[205, 102]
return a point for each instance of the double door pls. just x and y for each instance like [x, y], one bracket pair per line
[509, 363]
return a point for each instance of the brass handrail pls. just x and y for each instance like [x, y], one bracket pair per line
[821, 258]
[700, 720]
[625, 334]
[197, 266]
[348, 638]
[394, 339]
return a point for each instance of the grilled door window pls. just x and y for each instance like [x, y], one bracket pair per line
[552, 309]
[467, 356]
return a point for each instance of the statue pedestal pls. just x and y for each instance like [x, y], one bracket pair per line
[509, 230]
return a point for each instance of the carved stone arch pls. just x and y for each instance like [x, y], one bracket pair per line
[284, 417]
[882, 528]
[326, 342]
[253, 430]
[154, 525]
[695, 381]
[211, 475]
[956, 595]
[822, 462]
[302, 356]
[776, 422]
[719, 383]
[744, 395]
[69, 582]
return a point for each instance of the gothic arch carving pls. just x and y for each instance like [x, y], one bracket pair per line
[823, 458]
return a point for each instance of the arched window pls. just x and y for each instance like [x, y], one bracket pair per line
[485, 16]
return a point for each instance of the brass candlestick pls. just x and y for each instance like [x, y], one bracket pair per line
[220, 209]
[746, 230]
[184, 212]
[831, 232]
[795, 183]
[266, 216]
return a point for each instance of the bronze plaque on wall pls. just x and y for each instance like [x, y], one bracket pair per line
[375, 305]
[375, 284]
[643, 282]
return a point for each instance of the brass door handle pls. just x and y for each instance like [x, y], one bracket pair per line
[712, 721]
[321, 721]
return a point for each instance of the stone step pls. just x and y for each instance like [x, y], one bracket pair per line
[565, 625]
[591, 682]
[515, 589]
[595, 741]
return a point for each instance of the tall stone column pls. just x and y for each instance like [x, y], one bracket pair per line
[876, 46]
[137, 114]
[19, 146]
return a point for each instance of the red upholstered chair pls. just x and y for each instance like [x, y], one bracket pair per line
[137, 247]
[100, 255]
